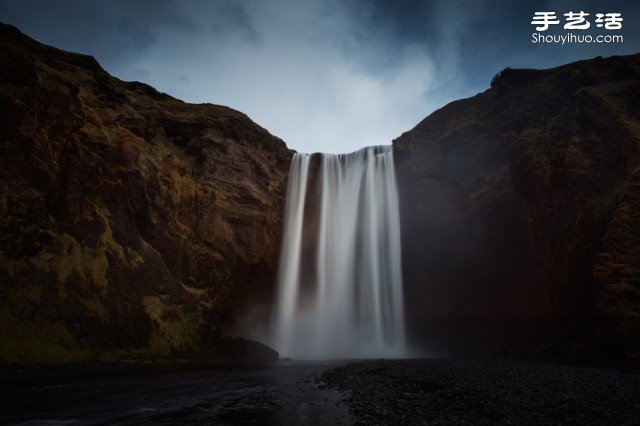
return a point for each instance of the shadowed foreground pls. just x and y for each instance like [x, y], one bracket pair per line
[276, 393]
[486, 392]
[480, 391]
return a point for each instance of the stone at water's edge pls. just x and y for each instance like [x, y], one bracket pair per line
[130, 221]
[239, 349]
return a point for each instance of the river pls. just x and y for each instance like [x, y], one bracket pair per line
[283, 392]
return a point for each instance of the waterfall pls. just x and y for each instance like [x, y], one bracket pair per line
[339, 289]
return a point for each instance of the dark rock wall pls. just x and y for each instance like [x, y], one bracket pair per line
[129, 219]
[520, 214]
[466, 245]
[133, 222]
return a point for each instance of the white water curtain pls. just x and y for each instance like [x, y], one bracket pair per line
[351, 304]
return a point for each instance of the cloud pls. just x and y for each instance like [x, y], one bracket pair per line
[112, 31]
[230, 19]
[329, 75]
[305, 74]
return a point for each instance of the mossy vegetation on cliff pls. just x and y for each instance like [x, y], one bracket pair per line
[129, 218]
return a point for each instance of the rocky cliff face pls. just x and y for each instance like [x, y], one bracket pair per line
[129, 220]
[132, 222]
[521, 213]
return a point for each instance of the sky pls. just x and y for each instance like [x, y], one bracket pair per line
[323, 75]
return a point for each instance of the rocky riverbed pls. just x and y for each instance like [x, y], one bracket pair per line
[486, 391]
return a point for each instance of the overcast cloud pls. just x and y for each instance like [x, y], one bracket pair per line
[325, 76]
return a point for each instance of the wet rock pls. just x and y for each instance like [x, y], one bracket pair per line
[239, 349]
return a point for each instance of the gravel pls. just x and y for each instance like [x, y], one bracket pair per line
[485, 391]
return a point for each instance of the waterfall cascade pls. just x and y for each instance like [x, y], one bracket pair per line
[340, 279]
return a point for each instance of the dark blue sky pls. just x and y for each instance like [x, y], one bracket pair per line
[323, 75]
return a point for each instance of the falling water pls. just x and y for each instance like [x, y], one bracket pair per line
[340, 280]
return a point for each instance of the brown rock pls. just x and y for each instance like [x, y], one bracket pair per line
[128, 218]
[521, 206]
[239, 349]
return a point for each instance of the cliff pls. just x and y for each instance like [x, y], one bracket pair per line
[129, 220]
[134, 224]
[521, 213]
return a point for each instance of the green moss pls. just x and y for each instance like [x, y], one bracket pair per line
[174, 331]
[36, 340]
